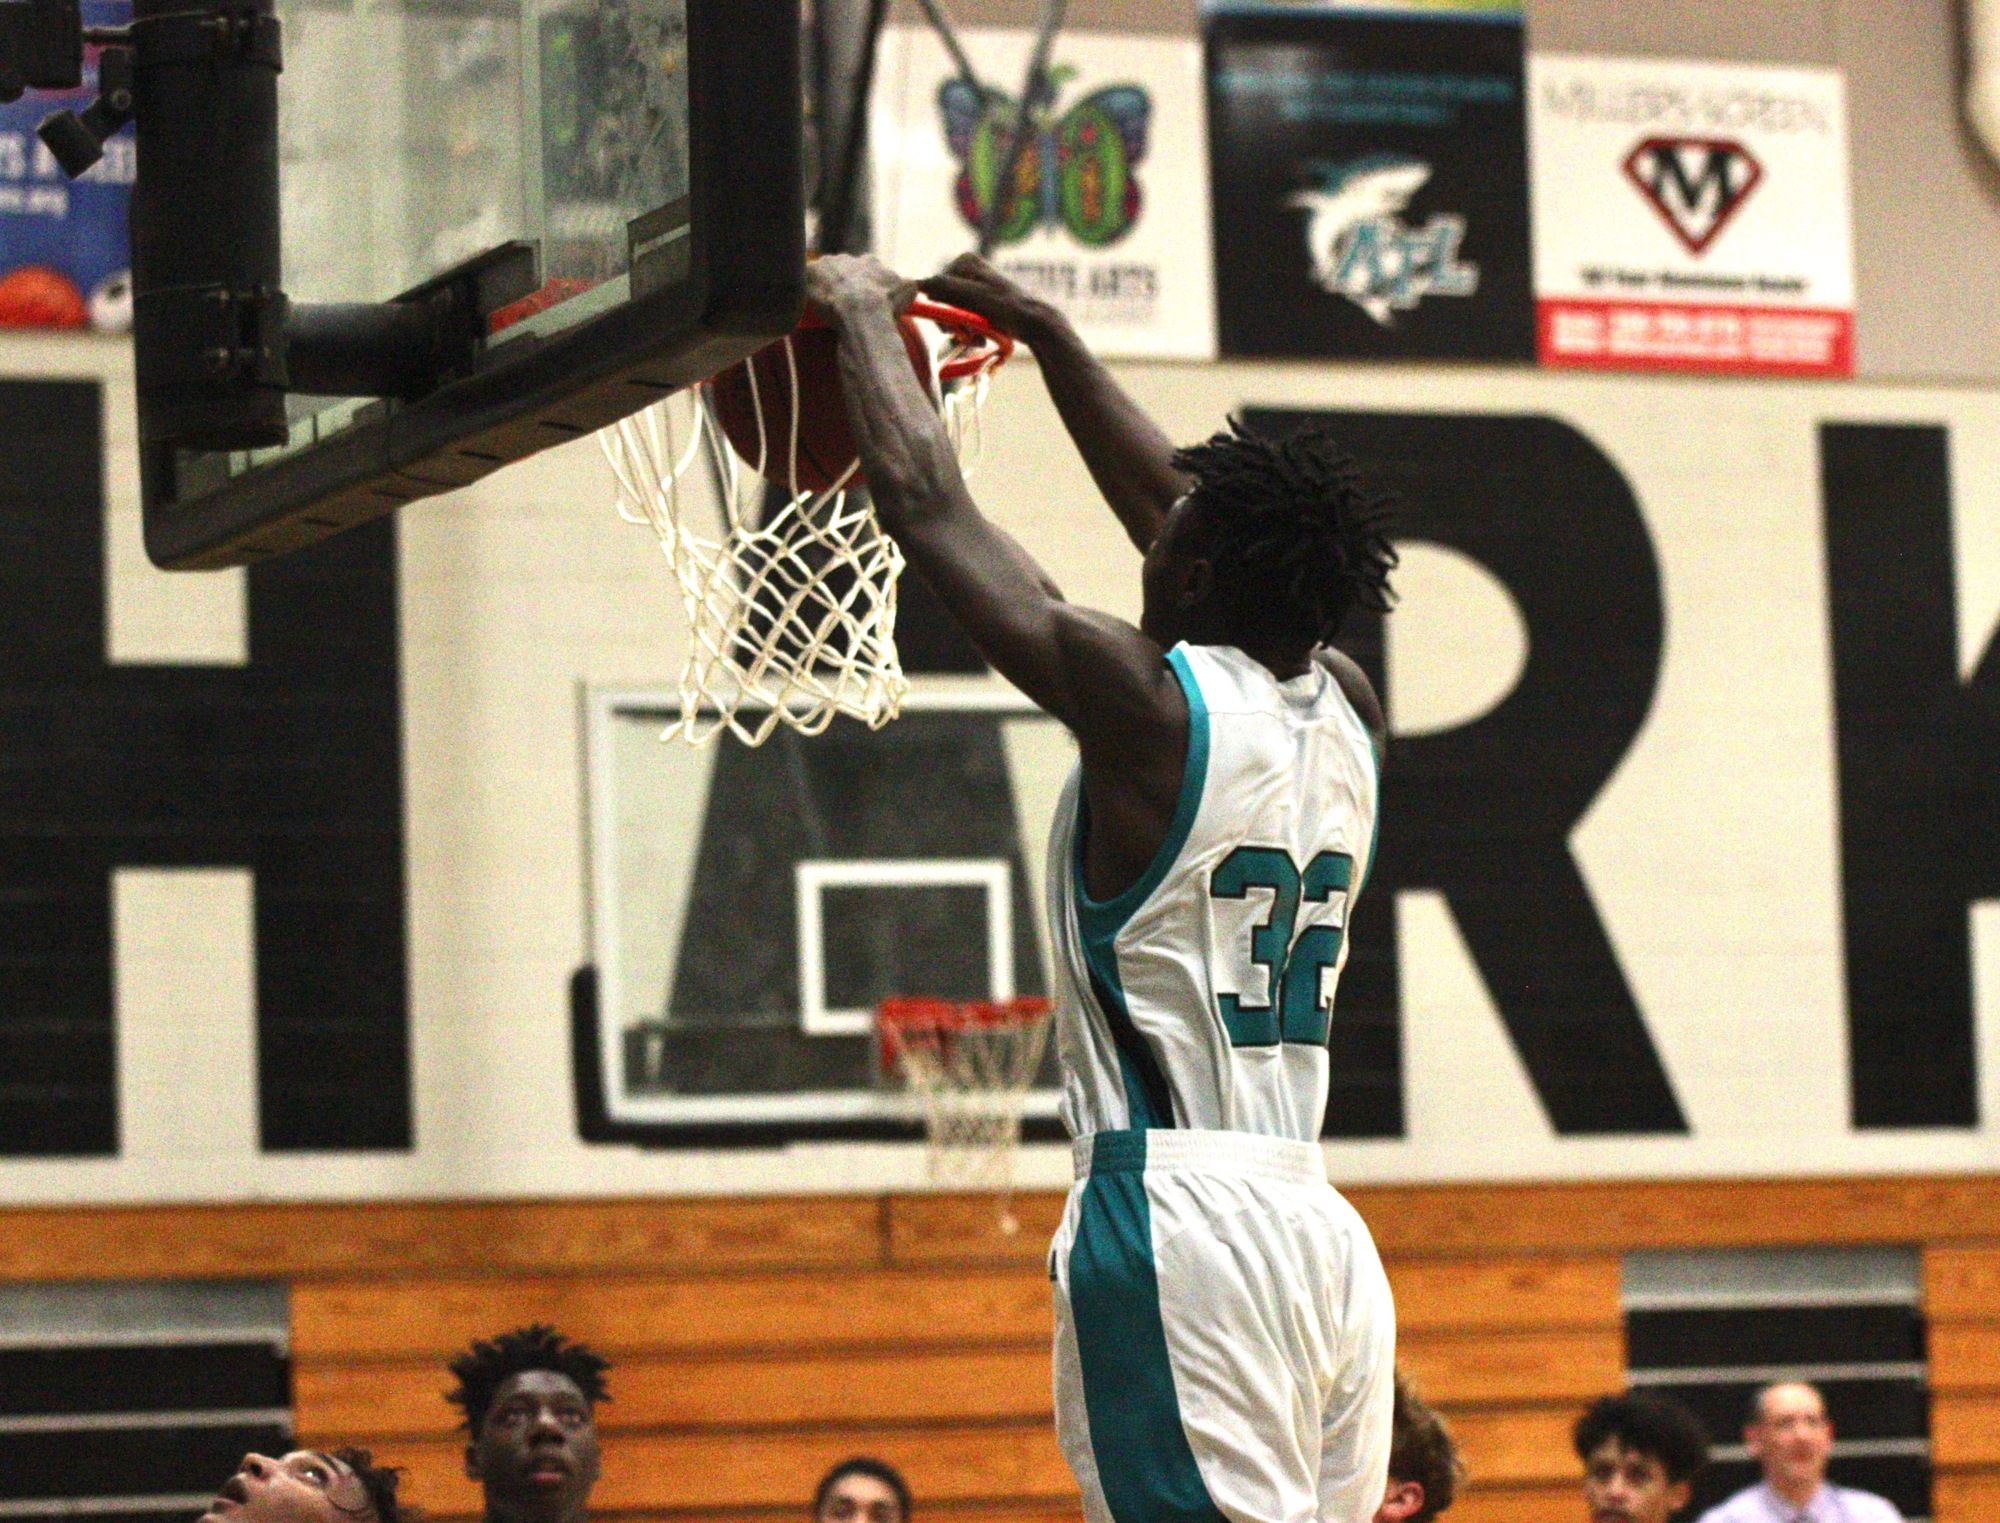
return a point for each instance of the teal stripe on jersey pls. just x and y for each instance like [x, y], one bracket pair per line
[1108, 918]
[1144, 1462]
[1143, 1101]
[1099, 924]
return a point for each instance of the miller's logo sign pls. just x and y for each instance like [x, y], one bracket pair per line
[1696, 184]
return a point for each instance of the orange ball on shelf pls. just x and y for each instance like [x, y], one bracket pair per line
[37, 297]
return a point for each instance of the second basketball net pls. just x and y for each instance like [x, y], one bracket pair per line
[787, 579]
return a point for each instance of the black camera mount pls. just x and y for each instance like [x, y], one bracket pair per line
[216, 344]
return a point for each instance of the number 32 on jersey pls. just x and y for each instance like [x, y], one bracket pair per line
[1292, 964]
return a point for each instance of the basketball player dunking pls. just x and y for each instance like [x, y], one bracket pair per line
[1225, 1337]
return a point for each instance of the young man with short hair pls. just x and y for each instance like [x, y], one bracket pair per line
[1641, 1455]
[530, 1403]
[1791, 1437]
[307, 1486]
[862, 1490]
[1424, 1468]
[1225, 1335]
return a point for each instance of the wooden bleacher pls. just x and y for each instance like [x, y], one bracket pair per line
[758, 1341]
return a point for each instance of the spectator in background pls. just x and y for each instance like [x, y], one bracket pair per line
[1424, 1468]
[862, 1490]
[530, 1402]
[1641, 1454]
[307, 1486]
[1790, 1435]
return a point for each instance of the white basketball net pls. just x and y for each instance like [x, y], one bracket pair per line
[970, 1068]
[791, 605]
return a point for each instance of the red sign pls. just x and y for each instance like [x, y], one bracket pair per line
[1630, 335]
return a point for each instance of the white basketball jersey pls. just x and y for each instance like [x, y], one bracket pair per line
[1201, 996]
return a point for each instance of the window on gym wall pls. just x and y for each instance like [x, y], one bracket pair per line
[134, 1400]
[1715, 1328]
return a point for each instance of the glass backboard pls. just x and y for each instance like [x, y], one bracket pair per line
[751, 906]
[641, 157]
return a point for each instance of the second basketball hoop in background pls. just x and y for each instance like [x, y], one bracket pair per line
[790, 588]
[970, 1065]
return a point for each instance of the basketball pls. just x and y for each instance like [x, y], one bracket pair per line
[35, 297]
[758, 419]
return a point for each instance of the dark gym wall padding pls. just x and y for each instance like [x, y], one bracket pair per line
[127, 1399]
[1483, 813]
[1919, 774]
[290, 766]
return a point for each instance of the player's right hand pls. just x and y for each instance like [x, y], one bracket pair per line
[972, 283]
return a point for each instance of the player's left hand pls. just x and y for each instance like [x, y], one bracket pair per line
[972, 283]
[848, 281]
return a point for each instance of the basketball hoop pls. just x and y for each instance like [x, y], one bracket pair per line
[970, 1065]
[791, 599]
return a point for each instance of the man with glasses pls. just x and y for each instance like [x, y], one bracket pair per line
[1791, 1437]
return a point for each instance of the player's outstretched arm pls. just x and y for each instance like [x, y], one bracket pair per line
[1099, 675]
[1131, 461]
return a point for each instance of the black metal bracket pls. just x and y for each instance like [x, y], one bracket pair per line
[413, 344]
[41, 46]
[200, 335]
[76, 140]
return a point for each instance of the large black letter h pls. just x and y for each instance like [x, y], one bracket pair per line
[290, 766]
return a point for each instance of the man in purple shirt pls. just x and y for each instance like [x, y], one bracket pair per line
[1790, 1436]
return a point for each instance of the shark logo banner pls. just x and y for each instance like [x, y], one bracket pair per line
[1361, 249]
[1370, 178]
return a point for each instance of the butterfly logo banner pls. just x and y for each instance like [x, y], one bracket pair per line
[1108, 215]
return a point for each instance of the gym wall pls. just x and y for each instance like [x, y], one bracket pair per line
[1693, 766]
[760, 1340]
[1675, 590]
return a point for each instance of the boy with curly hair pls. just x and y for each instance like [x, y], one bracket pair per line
[530, 1402]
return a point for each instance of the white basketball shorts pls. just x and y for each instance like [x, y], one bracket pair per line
[1225, 1338]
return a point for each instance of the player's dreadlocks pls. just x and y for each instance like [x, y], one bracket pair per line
[483, 1368]
[1293, 539]
[379, 1482]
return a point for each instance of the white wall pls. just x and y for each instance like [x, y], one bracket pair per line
[522, 589]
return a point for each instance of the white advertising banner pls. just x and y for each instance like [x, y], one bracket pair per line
[1690, 216]
[1111, 216]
